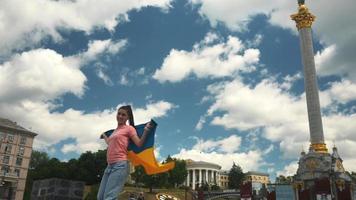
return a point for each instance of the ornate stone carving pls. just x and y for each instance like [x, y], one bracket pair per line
[303, 18]
[319, 148]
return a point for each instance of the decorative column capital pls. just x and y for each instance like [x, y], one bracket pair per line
[303, 18]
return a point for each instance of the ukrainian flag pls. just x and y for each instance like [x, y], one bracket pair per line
[144, 155]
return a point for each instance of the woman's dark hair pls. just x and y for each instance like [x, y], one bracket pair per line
[128, 109]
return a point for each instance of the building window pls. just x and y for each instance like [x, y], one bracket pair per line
[18, 161]
[6, 160]
[23, 140]
[8, 148]
[2, 136]
[10, 138]
[21, 151]
[17, 172]
[5, 170]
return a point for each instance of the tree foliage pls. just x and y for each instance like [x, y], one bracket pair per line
[236, 176]
[88, 168]
[284, 179]
[170, 179]
[178, 174]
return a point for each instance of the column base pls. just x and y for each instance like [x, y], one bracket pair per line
[319, 147]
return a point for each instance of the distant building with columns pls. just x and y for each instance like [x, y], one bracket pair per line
[200, 172]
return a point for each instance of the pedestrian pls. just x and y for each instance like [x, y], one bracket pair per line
[117, 170]
[140, 196]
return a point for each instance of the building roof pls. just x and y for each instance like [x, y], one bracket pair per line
[256, 173]
[8, 124]
[203, 164]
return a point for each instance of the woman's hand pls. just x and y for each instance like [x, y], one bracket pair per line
[105, 138]
[148, 127]
[139, 141]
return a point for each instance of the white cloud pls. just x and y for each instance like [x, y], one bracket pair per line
[141, 71]
[289, 170]
[335, 31]
[268, 150]
[131, 77]
[39, 75]
[26, 25]
[281, 116]
[340, 92]
[74, 123]
[236, 14]
[157, 153]
[249, 107]
[350, 164]
[123, 79]
[97, 47]
[200, 123]
[248, 161]
[69, 148]
[100, 68]
[227, 145]
[208, 60]
[32, 85]
[153, 110]
[288, 81]
[256, 41]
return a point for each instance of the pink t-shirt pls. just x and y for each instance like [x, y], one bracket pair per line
[118, 143]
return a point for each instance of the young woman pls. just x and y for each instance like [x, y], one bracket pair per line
[117, 170]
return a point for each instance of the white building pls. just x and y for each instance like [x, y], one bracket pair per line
[200, 172]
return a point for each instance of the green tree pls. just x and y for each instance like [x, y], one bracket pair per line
[152, 181]
[215, 188]
[284, 179]
[100, 164]
[89, 167]
[37, 159]
[93, 192]
[178, 174]
[138, 174]
[236, 176]
[205, 186]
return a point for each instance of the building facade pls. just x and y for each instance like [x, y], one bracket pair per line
[224, 179]
[15, 154]
[257, 177]
[258, 181]
[200, 172]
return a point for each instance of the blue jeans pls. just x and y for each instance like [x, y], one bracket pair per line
[113, 180]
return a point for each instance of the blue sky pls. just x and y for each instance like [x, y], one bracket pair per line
[223, 79]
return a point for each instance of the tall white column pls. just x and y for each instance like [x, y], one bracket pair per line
[206, 175]
[200, 177]
[188, 180]
[304, 20]
[193, 186]
[211, 176]
[311, 87]
[214, 175]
